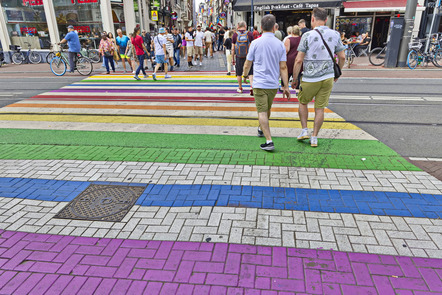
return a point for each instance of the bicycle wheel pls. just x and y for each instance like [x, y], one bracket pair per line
[377, 56]
[413, 59]
[49, 57]
[94, 56]
[84, 66]
[58, 66]
[17, 58]
[437, 58]
[34, 57]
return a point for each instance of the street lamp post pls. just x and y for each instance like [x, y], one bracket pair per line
[251, 17]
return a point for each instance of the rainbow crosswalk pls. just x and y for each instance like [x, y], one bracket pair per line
[351, 216]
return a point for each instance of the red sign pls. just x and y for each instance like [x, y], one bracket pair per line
[82, 29]
[28, 30]
[32, 2]
[84, 1]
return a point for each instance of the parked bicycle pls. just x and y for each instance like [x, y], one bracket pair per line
[418, 56]
[377, 55]
[51, 54]
[92, 54]
[60, 62]
[19, 56]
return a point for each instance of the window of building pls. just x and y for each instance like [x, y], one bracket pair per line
[84, 15]
[26, 23]
[353, 25]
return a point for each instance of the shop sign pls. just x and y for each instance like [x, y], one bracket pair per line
[155, 3]
[154, 15]
[32, 2]
[296, 6]
[82, 29]
[84, 1]
[29, 30]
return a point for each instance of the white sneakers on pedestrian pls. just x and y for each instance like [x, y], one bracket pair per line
[314, 141]
[304, 134]
[201, 63]
[167, 76]
[239, 90]
[133, 72]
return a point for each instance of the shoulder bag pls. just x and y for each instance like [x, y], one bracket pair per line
[336, 67]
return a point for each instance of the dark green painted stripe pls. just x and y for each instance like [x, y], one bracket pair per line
[190, 148]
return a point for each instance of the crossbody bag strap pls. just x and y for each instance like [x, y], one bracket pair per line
[326, 46]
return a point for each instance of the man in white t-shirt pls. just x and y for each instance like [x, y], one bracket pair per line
[208, 40]
[199, 36]
[190, 46]
[169, 48]
[160, 53]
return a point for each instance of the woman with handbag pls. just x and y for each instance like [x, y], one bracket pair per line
[107, 50]
[140, 49]
[114, 42]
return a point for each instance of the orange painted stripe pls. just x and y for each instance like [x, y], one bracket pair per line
[153, 107]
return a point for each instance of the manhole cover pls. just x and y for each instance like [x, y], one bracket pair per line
[102, 202]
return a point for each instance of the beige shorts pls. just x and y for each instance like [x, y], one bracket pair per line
[199, 50]
[320, 91]
[190, 50]
[264, 99]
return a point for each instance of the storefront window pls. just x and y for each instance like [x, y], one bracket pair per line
[118, 17]
[84, 15]
[26, 23]
[353, 25]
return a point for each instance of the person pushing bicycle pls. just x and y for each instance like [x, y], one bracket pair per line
[73, 42]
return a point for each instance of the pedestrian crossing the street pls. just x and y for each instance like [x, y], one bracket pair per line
[217, 214]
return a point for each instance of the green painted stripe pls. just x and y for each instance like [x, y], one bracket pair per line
[189, 148]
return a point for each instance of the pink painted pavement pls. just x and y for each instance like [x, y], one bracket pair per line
[54, 264]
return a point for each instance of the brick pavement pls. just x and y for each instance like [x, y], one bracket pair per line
[392, 235]
[431, 167]
[51, 264]
[172, 173]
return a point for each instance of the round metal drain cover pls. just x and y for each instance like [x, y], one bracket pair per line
[102, 202]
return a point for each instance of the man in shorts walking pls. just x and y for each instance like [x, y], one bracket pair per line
[190, 39]
[121, 41]
[169, 48]
[160, 53]
[199, 37]
[270, 59]
[241, 43]
[318, 76]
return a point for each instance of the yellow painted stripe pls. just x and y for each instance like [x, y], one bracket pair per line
[247, 122]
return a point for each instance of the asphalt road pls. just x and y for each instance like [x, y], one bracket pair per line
[405, 114]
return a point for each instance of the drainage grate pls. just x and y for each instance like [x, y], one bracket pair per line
[102, 202]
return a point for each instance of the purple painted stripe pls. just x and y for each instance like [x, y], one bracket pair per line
[111, 265]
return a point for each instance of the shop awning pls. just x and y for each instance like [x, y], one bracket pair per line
[376, 6]
[272, 5]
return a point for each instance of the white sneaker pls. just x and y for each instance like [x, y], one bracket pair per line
[239, 90]
[201, 63]
[303, 135]
[133, 72]
[314, 141]
[167, 76]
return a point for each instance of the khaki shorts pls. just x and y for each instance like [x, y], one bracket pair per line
[319, 90]
[264, 99]
[190, 50]
[199, 50]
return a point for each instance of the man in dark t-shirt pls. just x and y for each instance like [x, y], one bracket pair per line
[303, 26]
[221, 34]
[240, 61]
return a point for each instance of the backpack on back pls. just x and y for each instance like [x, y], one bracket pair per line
[242, 45]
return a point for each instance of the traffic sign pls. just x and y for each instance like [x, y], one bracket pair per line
[154, 15]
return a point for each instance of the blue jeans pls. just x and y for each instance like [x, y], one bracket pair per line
[141, 66]
[107, 60]
[220, 45]
[72, 60]
[176, 56]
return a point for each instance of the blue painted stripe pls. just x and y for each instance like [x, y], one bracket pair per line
[341, 201]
